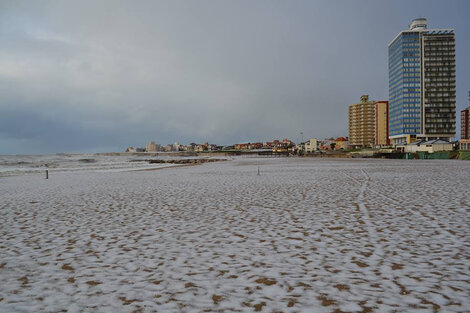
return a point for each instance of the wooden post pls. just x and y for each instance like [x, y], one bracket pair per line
[47, 174]
[258, 170]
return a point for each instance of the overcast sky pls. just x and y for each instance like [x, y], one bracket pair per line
[95, 76]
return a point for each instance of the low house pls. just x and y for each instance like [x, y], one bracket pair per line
[283, 146]
[464, 144]
[133, 150]
[327, 144]
[341, 143]
[271, 144]
[200, 147]
[242, 146]
[213, 147]
[429, 146]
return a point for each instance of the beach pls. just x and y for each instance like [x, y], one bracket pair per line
[299, 235]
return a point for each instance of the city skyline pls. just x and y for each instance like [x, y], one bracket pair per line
[87, 77]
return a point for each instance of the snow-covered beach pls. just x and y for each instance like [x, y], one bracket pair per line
[306, 235]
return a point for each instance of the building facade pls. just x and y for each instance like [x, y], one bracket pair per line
[151, 147]
[381, 124]
[341, 143]
[422, 99]
[464, 144]
[368, 123]
[362, 123]
[464, 123]
[311, 145]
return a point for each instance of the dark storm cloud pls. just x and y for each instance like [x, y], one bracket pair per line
[88, 75]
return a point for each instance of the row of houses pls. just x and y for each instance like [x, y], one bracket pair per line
[330, 144]
[312, 145]
[176, 147]
[284, 145]
[275, 145]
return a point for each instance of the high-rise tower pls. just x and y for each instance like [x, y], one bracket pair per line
[421, 64]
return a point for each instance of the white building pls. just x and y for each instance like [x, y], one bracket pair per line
[429, 146]
[311, 145]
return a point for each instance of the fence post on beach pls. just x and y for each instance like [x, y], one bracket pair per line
[47, 174]
[258, 170]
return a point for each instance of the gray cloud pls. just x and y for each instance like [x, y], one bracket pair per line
[96, 76]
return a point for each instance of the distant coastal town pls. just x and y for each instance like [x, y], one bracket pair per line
[418, 121]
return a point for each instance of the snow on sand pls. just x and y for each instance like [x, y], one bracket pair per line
[307, 235]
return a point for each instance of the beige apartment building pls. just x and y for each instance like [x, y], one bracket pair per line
[381, 124]
[368, 123]
[362, 123]
[151, 147]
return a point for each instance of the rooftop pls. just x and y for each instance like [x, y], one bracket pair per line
[428, 142]
[420, 25]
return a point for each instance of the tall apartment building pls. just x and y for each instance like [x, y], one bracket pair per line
[421, 64]
[381, 123]
[362, 123]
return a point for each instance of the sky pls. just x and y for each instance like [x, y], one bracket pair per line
[99, 76]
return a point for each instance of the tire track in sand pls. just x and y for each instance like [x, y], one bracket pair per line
[371, 229]
[415, 211]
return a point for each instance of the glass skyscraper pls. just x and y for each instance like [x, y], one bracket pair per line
[421, 66]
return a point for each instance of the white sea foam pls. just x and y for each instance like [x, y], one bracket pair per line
[307, 235]
[13, 165]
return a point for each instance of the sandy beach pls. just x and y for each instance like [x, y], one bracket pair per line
[306, 235]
